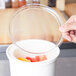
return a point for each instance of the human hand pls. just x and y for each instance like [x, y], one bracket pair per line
[68, 30]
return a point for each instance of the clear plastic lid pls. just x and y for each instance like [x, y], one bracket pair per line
[37, 22]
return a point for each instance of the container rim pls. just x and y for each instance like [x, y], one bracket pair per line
[10, 54]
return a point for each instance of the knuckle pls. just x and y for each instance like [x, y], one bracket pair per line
[73, 16]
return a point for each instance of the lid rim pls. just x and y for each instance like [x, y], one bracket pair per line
[56, 16]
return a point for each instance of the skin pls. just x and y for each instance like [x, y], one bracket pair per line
[68, 29]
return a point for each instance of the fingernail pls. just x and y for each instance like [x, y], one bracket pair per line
[68, 38]
[61, 29]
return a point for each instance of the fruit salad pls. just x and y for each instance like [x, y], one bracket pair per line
[33, 59]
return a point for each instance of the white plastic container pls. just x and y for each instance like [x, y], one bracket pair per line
[33, 34]
[43, 68]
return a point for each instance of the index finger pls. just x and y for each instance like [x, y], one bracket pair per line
[67, 27]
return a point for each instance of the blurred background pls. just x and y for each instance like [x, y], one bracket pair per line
[65, 8]
[66, 63]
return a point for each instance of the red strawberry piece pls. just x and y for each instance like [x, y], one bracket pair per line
[29, 58]
[37, 58]
[43, 57]
[33, 60]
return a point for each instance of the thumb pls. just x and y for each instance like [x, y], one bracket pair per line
[67, 27]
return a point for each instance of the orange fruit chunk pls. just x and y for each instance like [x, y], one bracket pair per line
[23, 59]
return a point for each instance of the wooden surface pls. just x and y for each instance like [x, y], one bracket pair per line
[5, 17]
[45, 2]
[70, 1]
[70, 9]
